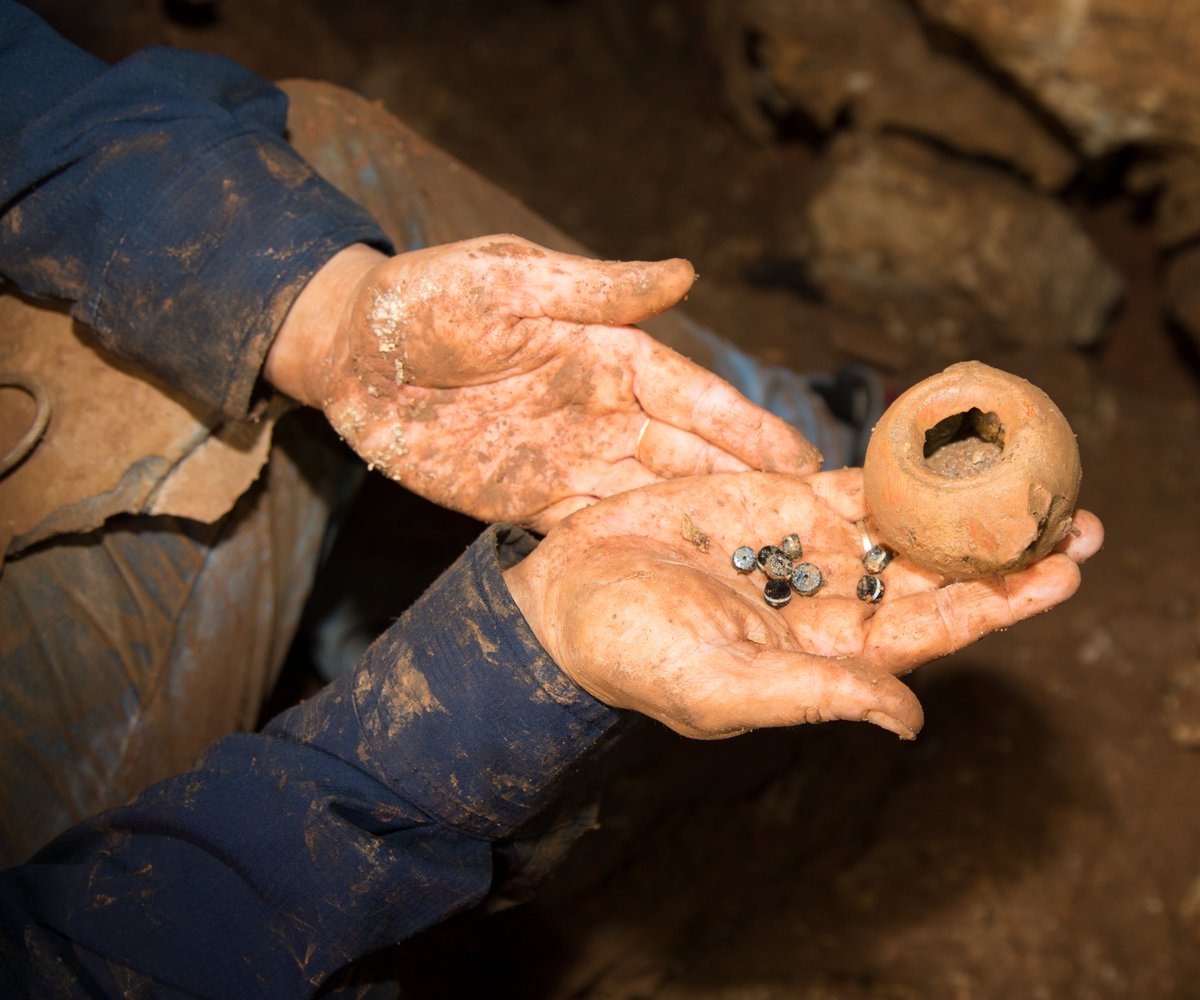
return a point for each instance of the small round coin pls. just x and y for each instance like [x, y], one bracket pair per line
[744, 559]
[806, 579]
[870, 589]
[778, 566]
[791, 547]
[777, 593]
[876, 560]
[765, 552]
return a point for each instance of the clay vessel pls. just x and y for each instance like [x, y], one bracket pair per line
[971, 472]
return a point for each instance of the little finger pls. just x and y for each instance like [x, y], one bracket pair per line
[1085, 538]
[919, 627]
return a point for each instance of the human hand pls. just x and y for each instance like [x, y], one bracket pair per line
[631, 604]
[504, 380]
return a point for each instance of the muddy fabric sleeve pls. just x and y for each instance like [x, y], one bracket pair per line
[353, 821]
[159, 197]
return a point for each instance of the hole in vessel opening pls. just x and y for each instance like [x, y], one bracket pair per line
[964, 444]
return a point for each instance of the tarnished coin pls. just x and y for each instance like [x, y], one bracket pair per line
[765, 553]
[875, 561]
[744, 559]
[806, 579]
[870, 589]
[777, 566]
[777, 593]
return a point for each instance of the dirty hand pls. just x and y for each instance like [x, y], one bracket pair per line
[637, 601]
[503, 379]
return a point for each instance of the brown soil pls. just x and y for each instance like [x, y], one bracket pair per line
[1042, 836]
[962, 459]
[964, 445]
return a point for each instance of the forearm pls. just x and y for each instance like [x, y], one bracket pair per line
[159, 197]
[352, 822]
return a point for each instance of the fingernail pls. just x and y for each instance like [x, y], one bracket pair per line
[892, 725]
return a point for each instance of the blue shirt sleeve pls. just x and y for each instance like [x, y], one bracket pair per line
[160, 198]
[352, 822]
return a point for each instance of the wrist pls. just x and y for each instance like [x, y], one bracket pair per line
[520, 589]
[527, 587]
[301, 356]
[533, 592]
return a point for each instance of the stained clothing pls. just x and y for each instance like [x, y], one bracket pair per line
[159, 197]
[161, 200]
[351, 822]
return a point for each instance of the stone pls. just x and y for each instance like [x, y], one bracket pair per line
[1182, 291]
[1114, 72]
[871, 61]
[950, 257]
[1172, 179]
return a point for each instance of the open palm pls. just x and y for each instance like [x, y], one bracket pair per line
[505, 380]
[637, 601]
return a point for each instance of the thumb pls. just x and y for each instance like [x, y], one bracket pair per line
[609, 293]
[792, 688]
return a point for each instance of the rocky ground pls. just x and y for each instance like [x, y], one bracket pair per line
[1042, 837]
